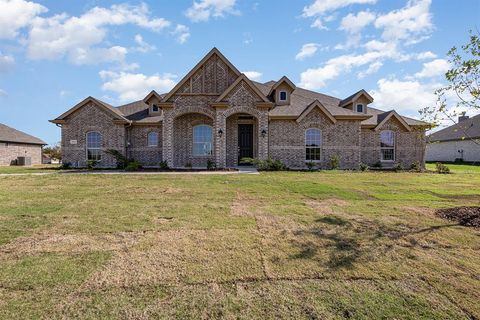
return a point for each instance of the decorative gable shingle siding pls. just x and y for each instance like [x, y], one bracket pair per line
[215, 93]
[74, 132]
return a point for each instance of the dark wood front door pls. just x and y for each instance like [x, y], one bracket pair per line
[245, 141]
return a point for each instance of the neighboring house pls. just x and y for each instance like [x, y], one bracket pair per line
[459, 142]
[15, 143]
[216, 113]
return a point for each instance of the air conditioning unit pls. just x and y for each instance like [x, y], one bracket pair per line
[24, 161]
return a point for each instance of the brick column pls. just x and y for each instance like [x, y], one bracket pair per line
[220, 140]
[167, 133]
[263, 140]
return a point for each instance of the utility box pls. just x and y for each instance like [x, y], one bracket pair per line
[24, 161]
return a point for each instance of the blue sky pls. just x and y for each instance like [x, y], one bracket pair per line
[53, 54]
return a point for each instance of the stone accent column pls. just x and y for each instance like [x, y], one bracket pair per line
[220, 140]
[167, 133]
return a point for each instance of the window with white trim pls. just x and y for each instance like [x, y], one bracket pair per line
[313, 141]
[283, 96]
[152, 139]
[387, 145]
[155, 108]
[202, 140]
[360, 107]
[94, 146]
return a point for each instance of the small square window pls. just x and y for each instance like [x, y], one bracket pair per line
[359, 107]
[283, 95]
[155, 108]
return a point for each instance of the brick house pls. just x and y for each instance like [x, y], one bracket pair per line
[15, 143]
[216, 113]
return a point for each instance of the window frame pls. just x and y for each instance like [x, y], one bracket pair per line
[280, 95]
[208, 154]
[156, 139]
[99, 148]
[383, 148]
[308, 147]
[154, 106]
[363, 108]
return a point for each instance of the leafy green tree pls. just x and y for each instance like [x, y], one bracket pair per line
[462, 93]
[53, 151]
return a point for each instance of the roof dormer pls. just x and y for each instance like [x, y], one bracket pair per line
[281, 91]
[153, 100]
[357, 102]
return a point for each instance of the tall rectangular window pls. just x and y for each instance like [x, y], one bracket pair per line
[152, 139]
[202, 140]
[387, 145]
[313, 141]
[94, 146]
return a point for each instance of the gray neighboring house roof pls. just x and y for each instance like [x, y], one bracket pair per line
[469, 128]
[8, 134]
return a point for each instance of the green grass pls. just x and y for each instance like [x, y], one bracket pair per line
[322, 245]
[29, 169]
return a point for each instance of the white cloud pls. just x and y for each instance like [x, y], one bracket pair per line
[411, 23]
[318, 24]
[253, 75]
[202, 10]
[372, 68]
[135, 86]
[6, 62]
[320, 7]
[406, 97]
[308, 50]
[17, 14]
[426, 55]
[182, 33]
[433, 68]
[143, 46]
[355, 23]
[76, 37]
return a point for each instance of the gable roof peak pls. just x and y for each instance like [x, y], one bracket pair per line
[354, 97]
[243, 77]
[283, 79]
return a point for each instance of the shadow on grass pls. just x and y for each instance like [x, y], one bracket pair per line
[349, 241]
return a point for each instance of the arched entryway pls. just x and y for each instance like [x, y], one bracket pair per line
[242, 134]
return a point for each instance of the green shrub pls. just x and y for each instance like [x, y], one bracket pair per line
[163, 165]
[415, 166]
[66, 165]
[132, 166]
[265, 165]
[363, 167]
[120, 159]
[441, 168]
[311, 165]
[211, 165]
[334, 162]
[398, 166]
[378, 164]
[91, 164]
[188, 164]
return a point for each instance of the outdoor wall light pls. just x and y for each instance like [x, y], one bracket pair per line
[220, 132]
[264, 133]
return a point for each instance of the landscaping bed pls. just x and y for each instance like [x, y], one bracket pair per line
[465, 216]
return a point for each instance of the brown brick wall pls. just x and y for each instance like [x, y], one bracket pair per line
[10, 151]
[91, 118]
[409, 146]
[287, 140]
[138, 149]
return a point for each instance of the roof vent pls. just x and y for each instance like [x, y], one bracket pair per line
[463, 117]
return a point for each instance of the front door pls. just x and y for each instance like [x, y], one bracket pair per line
[245, 141]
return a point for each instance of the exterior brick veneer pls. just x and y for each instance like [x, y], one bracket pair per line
[10, 151]
[216, 94]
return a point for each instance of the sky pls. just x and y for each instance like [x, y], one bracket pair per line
[54, 54]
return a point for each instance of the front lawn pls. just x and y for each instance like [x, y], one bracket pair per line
[279, 245]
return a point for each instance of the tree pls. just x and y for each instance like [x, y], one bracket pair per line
[53, 151]
[462, 94]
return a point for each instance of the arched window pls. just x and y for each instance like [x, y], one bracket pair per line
[94, 146]
[313, 141]
[202, 140]
[152, 139]
[387, 145]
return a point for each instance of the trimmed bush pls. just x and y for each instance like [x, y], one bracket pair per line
[265, 165]
[132, 166]
[334, 162]
[441, 168]
[211, 165]
[363, 167]
[163, 165]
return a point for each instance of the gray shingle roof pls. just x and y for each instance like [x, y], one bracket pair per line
[8, 134]
[469, 128]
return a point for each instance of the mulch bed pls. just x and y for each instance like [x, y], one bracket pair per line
[465, 216]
